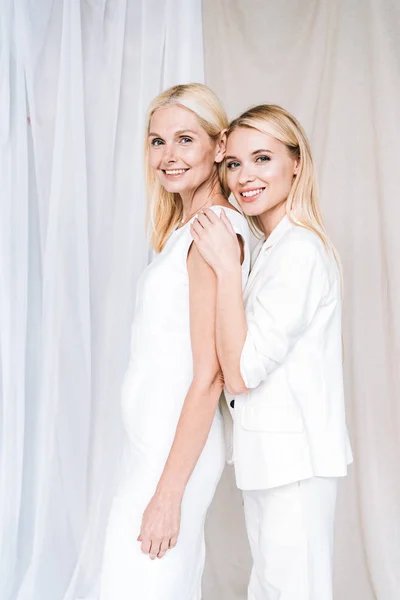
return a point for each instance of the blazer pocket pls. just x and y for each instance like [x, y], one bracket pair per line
[277, 418]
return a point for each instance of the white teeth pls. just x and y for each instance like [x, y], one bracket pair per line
[176, 172]
[251, 193]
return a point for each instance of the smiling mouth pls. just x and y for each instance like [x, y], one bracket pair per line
[252, 193]
[174, 172]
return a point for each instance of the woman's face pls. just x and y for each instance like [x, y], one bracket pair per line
[260, 170]
[182, 154]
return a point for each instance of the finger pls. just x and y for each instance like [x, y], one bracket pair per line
[211, 216]
[197, 227]
[194, 234]
[155, 548]
[163, 548]
[227, 223]
[173, 541]
[146, 545]
[203, 220]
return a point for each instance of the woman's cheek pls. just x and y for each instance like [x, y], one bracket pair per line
[154, 162]
[195, 156]
[230, 179]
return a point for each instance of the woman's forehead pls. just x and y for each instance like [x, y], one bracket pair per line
[173, 118]
[249, 139]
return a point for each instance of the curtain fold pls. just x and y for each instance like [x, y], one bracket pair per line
[76, 79]
[335, 65]
[13, 280]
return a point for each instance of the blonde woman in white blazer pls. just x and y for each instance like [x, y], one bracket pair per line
[280, 350]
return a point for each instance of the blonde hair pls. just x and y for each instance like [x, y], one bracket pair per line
[302, 205]
[165, 208]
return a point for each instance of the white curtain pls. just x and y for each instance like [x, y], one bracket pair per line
[75, 80]
[336, 65]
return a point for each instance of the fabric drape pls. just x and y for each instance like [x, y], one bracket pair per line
[75, 80]
[335, 65]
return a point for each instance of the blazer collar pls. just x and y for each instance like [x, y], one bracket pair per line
[277, 234]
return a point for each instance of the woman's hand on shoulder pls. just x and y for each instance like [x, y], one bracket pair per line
[216, 241]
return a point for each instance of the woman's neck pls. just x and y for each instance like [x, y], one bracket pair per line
[271, 218]
[201, 198]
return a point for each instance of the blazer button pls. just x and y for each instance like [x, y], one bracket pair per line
[232, 403]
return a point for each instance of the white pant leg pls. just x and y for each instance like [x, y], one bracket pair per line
[290, 530]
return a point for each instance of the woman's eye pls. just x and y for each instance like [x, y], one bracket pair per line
[263, 159]
[186, 140]
[156, 142]
[232, 164]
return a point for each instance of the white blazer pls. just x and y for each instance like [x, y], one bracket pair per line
[290, 425]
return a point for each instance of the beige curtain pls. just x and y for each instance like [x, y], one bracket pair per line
[336, 65]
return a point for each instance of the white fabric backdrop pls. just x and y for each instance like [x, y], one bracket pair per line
[72, 246]
[336, 65]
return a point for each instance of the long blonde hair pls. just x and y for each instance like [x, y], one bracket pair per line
[165, 208]
[302, 205]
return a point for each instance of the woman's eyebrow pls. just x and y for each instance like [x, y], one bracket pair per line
[252, 154]
[182, 131]
[261, 150]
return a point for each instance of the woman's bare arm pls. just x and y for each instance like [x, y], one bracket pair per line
[201, 401]
[160, 526]
[217, 241]
[231, 327]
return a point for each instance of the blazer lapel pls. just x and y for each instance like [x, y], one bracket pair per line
[262, 249]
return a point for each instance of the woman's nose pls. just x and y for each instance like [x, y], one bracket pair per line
[169, 154]
[246, 176]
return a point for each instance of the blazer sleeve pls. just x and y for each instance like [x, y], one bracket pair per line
[294, 284]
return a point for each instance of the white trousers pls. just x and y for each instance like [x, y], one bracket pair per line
[290, 529]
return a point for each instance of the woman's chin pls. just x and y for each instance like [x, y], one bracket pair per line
[173, 187]
[251, 209]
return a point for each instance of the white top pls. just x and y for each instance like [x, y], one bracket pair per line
[161, 364]
[291, 423]
[159, 375]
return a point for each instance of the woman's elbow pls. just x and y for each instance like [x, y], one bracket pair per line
[207, 381]
[236, 387]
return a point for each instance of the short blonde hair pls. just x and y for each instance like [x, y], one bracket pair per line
[165, 208]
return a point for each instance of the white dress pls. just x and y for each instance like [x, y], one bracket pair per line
[158, 377]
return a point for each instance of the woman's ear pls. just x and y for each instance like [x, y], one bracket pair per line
[221, 147]
[296, 167]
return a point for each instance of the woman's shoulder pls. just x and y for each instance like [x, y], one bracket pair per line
[302, 248]
[302, 240]
[235, 217]
[228, 208]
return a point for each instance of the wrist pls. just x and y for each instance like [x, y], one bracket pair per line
[227, 273]
[168, 493]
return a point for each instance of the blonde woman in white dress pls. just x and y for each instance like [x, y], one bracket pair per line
[175, 434]
[280, 350]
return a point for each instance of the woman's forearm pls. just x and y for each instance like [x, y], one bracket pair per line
[231, 328]
[191, 435]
